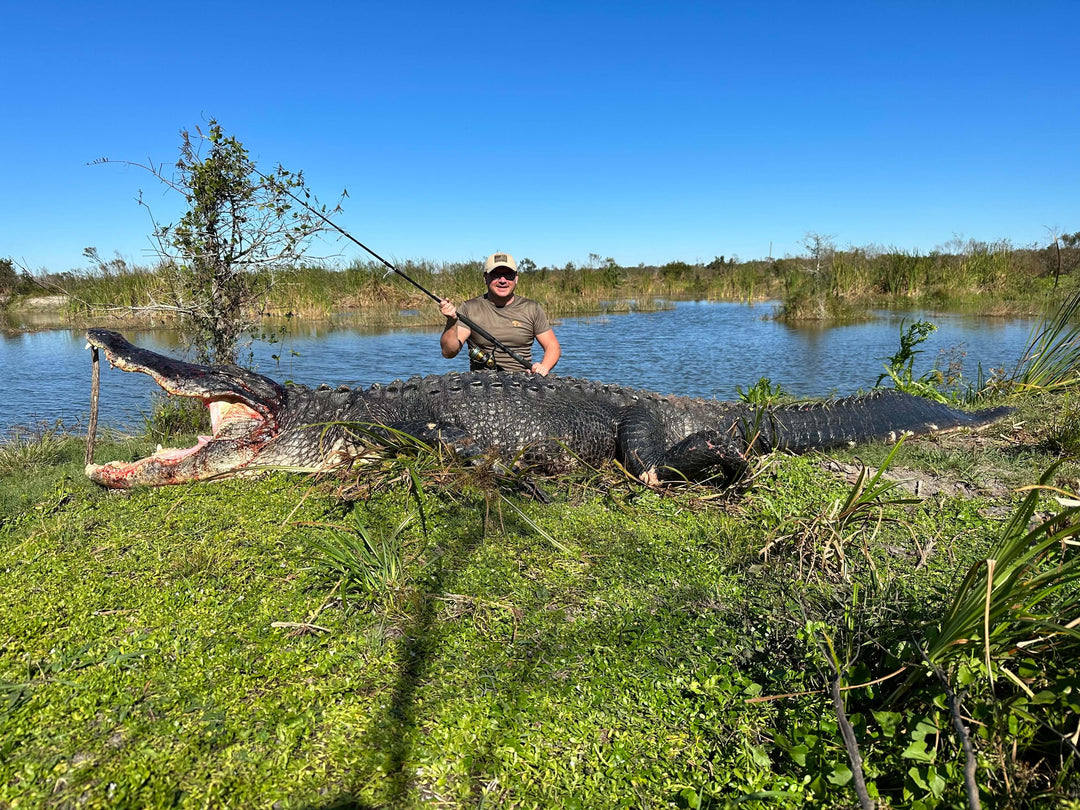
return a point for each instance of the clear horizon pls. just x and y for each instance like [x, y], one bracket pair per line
[644, 132]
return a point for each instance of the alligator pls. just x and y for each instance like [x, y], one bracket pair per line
[551, 423]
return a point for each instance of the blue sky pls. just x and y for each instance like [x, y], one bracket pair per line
[647, 132]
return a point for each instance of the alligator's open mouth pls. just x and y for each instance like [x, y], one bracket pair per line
[223, 418]
[231, 446]
[242, 405]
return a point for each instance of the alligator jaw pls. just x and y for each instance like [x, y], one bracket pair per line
[243, 408]
[210, 458]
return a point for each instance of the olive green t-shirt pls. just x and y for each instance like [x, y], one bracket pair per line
[517, 324]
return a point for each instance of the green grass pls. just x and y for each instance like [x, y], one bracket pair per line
[26, 449]
[408, 636]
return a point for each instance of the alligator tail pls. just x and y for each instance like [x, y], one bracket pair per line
[881, 415]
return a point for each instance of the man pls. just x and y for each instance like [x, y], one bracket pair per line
[511, 319]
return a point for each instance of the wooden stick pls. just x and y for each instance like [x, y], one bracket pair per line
[95, 378]
[847, 733]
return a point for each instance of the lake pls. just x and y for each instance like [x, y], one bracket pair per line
[702, 349]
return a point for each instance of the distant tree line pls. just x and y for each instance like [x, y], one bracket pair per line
[12, 281]
[826, 282]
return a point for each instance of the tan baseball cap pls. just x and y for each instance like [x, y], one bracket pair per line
[500, 260]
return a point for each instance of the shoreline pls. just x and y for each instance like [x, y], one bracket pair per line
[32, 314]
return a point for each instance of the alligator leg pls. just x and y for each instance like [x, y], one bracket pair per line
[643, 454]
[638, 445]
[701, 452]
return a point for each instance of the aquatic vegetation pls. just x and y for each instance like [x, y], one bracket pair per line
[835, 285]
[763, 392]
[898, 368]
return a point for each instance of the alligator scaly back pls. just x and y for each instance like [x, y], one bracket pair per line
[550, 422]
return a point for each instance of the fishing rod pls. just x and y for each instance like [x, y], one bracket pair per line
[476, 354]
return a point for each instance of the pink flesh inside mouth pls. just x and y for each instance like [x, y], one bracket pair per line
[233, 423]
[221, 413]
[173, 454]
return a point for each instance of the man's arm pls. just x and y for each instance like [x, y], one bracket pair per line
[552, 352]
[454, 333]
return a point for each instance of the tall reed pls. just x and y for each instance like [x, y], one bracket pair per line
[1051, 360]
[836, 285]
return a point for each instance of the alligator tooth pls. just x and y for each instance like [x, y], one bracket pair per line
[158, 449]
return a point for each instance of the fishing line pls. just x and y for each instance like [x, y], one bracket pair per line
[467, 321]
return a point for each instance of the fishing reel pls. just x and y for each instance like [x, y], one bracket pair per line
[482, 358]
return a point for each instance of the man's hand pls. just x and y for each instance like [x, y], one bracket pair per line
[538, 368]
[447, 308]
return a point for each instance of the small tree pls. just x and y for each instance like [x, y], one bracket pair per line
[9, 279]
[242, 230]
[1071, 242]
[820, 247]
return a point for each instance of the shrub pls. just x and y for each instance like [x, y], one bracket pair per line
[9, 279]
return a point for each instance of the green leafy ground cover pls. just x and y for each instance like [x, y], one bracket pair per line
[408, 636]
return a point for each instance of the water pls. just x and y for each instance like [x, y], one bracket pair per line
[697, 349]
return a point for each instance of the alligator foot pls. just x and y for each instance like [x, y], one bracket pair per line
[708, 451]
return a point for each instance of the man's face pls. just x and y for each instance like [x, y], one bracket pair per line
[501, 281]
